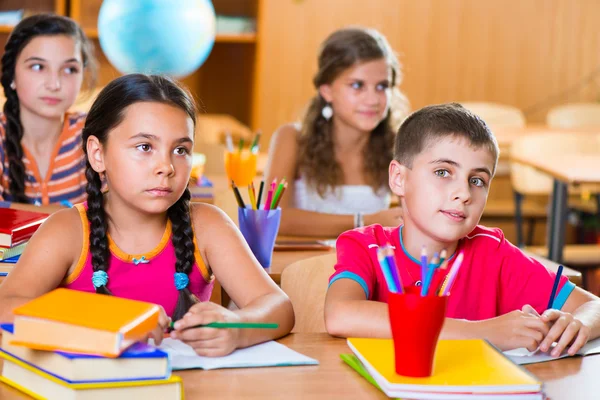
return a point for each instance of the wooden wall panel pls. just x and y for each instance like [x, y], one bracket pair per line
[515, 52]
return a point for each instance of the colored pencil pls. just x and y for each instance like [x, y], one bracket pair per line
[229, 142]
[260, 190]
[254, 145]
[451, 277]
[241, 147]
[391, 260]
[277, 194]
[285, 185]
[555, 286]
[385, 268]
[431, 267]
[251, 197]
[239, 325]
[237, 195]
[423, 264]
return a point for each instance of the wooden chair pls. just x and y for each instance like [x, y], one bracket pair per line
[574, 116]
[305, 282]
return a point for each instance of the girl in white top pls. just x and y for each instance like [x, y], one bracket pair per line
[336, 161]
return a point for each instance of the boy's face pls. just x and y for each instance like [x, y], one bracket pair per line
[444, 193]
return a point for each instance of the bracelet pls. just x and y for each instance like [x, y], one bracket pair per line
[5, 204]
[358, 220]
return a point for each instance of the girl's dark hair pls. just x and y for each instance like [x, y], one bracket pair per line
[21, 35]
[108, 112]
[341, 50]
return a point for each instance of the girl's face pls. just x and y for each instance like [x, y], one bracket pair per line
[147, 158]
[360, 95]
[48, 75]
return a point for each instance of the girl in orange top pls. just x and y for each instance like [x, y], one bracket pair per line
[41, 157]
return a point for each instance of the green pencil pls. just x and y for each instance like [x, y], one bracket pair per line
[241, 325]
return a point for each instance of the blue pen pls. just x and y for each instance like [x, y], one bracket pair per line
[555, 287]
[429, 277]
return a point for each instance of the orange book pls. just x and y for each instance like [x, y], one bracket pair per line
[90, 323]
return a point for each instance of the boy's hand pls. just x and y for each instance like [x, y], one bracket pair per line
[163, 323]
[208, 342]
[514, 330]
[566, 329]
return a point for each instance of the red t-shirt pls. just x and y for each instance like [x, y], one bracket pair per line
[494, 279]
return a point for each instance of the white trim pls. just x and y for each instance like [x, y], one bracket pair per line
[484, 234]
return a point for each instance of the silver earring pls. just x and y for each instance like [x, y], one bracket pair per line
[327, 112]
[12, 85]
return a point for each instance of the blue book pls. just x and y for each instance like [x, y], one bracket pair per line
[139, 362]
[11, 260]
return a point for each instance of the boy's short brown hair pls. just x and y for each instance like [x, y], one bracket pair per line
[438, 121]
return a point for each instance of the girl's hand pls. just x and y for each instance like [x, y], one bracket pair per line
[566, 330]
[163, 323]
[208, 342]
[514, 330]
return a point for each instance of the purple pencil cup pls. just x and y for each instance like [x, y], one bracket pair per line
[259, 228]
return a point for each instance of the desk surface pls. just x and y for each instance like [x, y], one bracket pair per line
[569, 168]
[571, 378]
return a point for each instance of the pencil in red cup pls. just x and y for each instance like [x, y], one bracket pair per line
[451, 277]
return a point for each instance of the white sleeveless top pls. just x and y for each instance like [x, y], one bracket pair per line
[346, 199]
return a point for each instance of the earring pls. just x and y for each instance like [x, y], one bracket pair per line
[12, 85]
[327, 112]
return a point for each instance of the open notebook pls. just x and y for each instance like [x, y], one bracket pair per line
[524, 356]
[268, 354]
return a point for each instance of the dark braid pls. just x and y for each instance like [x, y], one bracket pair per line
[21, 35]
[183, 241]
[98, 225]
[14, 129]
[108, 112]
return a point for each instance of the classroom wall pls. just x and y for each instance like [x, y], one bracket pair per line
[513, 51]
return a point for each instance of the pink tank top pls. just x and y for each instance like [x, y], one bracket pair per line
[146, 277]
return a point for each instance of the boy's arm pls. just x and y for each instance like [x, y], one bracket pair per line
[348, 313]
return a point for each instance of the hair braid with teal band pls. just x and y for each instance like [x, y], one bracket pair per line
[183, 241]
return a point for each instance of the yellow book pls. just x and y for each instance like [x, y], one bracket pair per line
[462, 369]
[42, 385]
[80, 322]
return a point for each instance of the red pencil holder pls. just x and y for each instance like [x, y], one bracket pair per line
[416, 323]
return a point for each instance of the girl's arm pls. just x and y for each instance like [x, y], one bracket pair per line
[283, 163]
[50, 253]
[257, 297]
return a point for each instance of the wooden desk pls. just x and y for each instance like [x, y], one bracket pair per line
[572, 378]
[568, 169]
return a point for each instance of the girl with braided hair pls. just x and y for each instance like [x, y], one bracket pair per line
[138, 236]
[44, 64]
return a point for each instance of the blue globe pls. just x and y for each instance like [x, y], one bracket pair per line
[157, 36]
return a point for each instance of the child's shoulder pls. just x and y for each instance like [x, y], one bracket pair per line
[485, 237]
[286, 136]
[205, 215]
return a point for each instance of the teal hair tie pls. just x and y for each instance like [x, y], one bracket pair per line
[181, 280]
[99, 278]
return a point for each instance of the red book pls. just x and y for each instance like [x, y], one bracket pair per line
[17, 226]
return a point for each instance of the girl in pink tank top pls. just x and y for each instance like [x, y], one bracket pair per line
[138, 236]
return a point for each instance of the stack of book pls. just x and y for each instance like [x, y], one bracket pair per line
[463, 369]
[77, 345]
[16, 228]
[202, 190]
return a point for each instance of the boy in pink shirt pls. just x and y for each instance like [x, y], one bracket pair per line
[444, 160]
